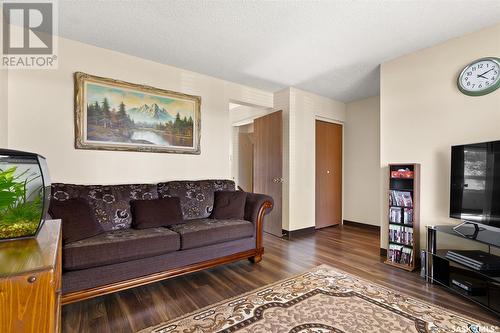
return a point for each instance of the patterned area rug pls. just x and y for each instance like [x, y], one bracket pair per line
[319, 301]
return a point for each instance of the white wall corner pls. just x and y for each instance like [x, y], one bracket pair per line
[305, 108]
[362, 161]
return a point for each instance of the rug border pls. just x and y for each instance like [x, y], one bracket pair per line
[207, 307]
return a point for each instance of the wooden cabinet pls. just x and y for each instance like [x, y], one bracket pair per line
[30, 282]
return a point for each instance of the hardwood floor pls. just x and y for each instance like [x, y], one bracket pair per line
[350, 248]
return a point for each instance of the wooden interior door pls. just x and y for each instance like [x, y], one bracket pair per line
[328, 174]
[268, 158]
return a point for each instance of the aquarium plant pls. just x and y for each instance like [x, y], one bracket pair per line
[24, 193]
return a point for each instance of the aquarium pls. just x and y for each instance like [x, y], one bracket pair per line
[24, 193]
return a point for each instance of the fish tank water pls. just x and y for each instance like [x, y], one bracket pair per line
[24, 193]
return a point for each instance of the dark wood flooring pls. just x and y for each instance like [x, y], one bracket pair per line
[350, 248]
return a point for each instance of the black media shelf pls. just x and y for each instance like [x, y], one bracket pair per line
[486, 235]
[493, 275]
[484, 286]
[479, 300]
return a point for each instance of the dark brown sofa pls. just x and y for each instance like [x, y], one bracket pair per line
[123, 257]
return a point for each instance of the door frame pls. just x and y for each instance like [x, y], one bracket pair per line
[341, 123]
[249, 120]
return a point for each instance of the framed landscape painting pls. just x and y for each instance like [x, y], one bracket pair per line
[117, 115]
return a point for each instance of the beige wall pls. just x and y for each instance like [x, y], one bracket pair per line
[423, 114]
[41, 118]
[362, 161]
[3, 108]
[246, 114]
[305, 109]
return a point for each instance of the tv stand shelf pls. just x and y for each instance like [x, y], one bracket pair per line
[450, 273]
[486, 235]
[493, 275]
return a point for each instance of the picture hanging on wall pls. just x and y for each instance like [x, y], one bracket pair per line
[118, 115]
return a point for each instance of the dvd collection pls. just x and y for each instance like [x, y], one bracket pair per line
[400, 254]
[402, 235]
[401, 199]
[401, 215]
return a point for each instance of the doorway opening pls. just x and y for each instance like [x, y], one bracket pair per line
[257, 156]
[243, 154]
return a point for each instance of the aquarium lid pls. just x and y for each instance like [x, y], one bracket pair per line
[10, 153]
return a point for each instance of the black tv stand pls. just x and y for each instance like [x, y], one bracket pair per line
[481, 287]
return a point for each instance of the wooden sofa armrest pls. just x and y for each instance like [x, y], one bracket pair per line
[256, 207]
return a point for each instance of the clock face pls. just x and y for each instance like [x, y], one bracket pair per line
[480, 77]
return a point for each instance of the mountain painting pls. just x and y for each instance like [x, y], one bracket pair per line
[117, 115]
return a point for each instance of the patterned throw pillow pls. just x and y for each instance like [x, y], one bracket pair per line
[110, 203]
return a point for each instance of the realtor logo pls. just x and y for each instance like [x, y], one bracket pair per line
[28, 35]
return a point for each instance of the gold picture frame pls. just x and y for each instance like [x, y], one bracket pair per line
[122, 116]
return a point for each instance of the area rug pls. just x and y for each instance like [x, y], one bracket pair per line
[323, 300]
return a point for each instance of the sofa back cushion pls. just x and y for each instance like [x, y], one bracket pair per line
[197, 197]
[110, 203]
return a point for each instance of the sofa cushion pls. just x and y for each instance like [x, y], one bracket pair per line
[155, 213]
[229, 205]
[110, 203]
[78, 220]
[118, 246]
[197, 233]
[197, 197]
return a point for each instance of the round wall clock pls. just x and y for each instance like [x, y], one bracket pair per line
[480, 77]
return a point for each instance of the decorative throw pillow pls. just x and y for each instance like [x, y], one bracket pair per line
[229, 205]
[156, 213]
[78, 220]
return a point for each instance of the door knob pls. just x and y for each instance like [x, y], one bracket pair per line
[278, 180]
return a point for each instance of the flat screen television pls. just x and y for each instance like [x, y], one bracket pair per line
[475, 183]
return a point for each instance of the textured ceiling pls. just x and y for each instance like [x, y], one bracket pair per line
[332, 48]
